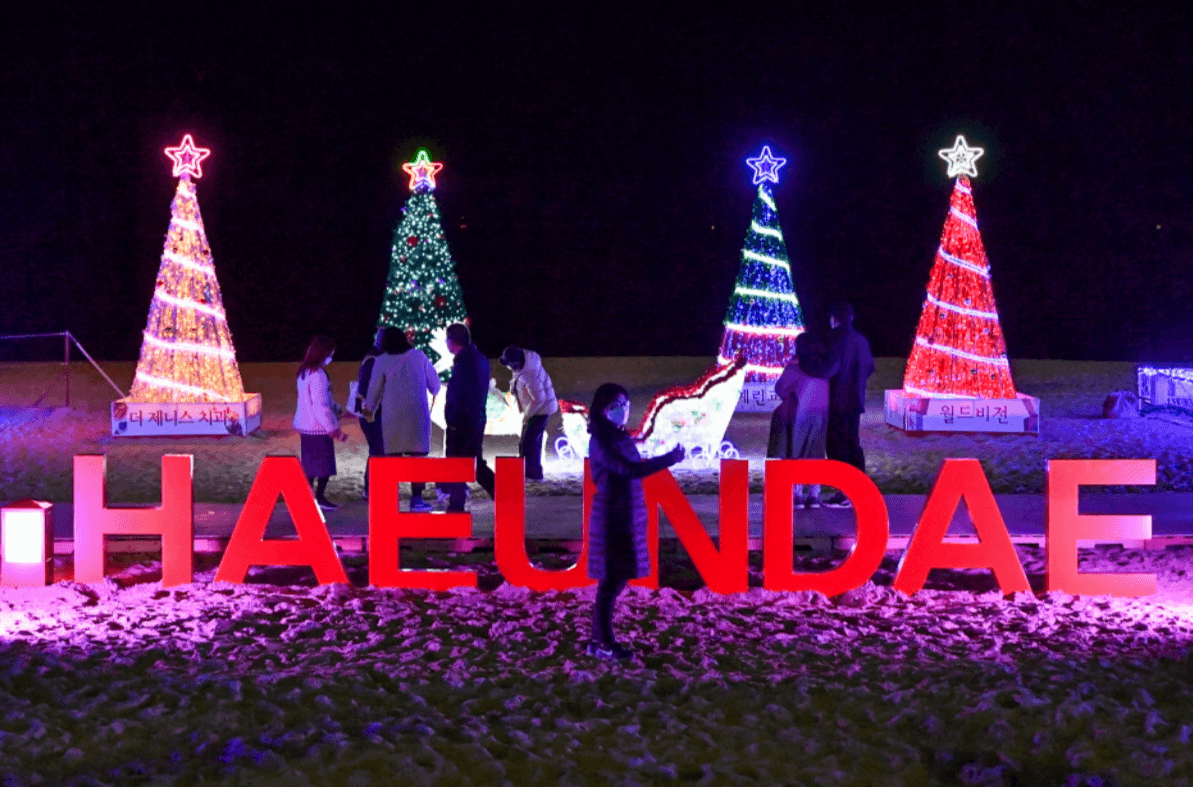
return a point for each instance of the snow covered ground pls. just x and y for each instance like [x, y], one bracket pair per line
[279, 682]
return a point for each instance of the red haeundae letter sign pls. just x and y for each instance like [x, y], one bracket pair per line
[723, 567]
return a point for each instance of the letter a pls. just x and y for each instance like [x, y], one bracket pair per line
[248, 546]
[961, 479]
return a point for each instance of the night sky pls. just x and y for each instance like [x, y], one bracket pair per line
[594, 189]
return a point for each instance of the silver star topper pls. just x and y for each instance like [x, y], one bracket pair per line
[961, 158]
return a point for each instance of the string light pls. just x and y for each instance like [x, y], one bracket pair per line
[187, 353]
[764, 315]
[766, 167]
[959, 349]
[188, 158]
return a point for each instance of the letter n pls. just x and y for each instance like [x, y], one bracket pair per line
[726, 570]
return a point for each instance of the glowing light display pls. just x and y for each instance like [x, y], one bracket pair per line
[764, 315]
[766, 166]
[27, 541]
[694, 416]
[422, 293]
[422, 171]
[187, 353]
[188, 159]
[961, 158]
[959, 349]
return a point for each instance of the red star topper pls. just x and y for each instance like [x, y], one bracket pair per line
[187, 158]
[422, 171]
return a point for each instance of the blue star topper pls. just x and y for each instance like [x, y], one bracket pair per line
[766, 167]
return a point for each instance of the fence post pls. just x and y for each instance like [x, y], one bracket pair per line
[66, 363]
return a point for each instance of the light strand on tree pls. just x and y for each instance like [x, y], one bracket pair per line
[983, 272]
[202, 394]
[995, 360]
[751, 255]
[755, 330]
[189, 347]
[761, 230]
[188, 263]
[778, 296]
[961, 309]
[967, 219]
[187, 303]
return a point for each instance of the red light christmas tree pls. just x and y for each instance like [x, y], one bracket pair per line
[959, 349]
[958, 378]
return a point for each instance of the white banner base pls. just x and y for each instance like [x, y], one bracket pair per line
[175, 419]
[914, 413]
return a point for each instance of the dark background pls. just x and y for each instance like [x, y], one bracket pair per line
[594, 189]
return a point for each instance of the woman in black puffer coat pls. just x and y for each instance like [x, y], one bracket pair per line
[617, 548]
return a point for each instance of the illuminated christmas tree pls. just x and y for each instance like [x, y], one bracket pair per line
[422, 293]
[959, 349]
[187, 353]
[764, 316]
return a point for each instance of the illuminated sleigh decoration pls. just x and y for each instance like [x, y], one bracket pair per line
[694, 416]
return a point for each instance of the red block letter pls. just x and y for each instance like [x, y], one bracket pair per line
[724, 571]
[173, 520]
[509, 535]
[960, 478]
[872, 525]
[387, 526]
[1065, 526]
[248, 547]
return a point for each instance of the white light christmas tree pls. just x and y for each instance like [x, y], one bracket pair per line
[187, 355]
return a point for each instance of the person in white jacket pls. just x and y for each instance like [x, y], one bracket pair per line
[532, 387]
[402, 378]
[317, 418]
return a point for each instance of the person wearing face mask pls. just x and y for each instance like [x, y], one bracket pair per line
[317, 418]
[617, 548]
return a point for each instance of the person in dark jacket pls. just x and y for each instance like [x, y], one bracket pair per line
[371, 429]
[617, 548]
[464, 410]
[847, 394]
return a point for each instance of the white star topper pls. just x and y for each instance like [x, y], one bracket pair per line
[961, 158]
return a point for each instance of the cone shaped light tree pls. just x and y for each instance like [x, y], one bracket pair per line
[187, 353]
[422, 293]
[764, 315]
[959, 349]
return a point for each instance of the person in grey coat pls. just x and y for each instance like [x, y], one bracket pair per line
[401, 379]
[617, 548]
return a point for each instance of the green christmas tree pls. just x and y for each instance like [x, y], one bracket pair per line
[422, 293]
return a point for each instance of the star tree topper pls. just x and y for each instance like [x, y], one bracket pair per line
[188, 158]
[422, 170]
[766, 166]
[961, 158]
